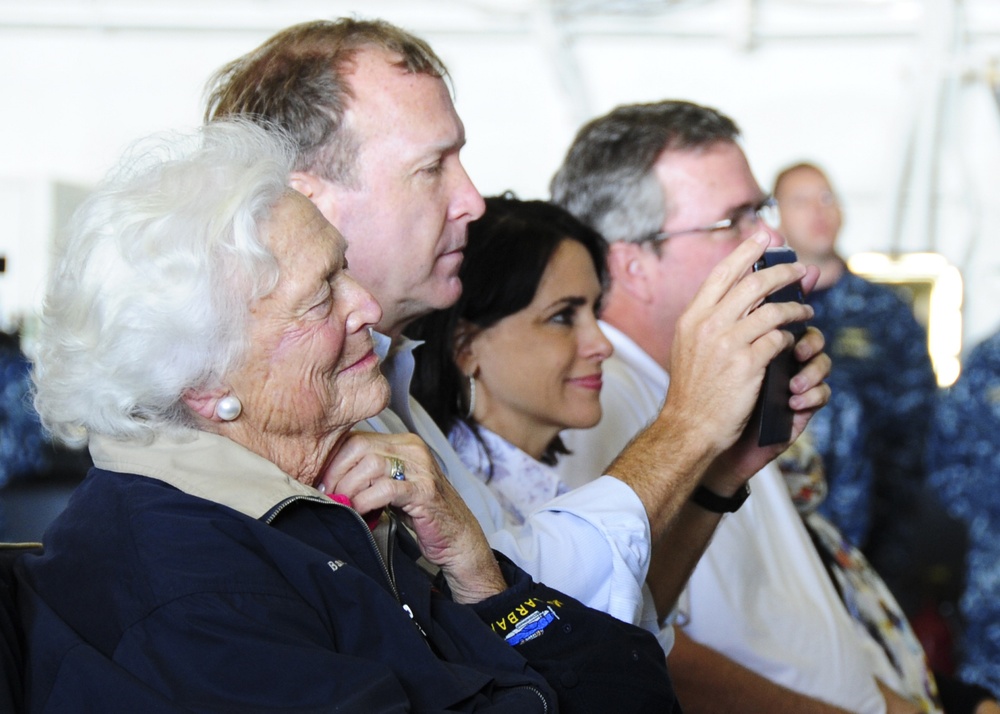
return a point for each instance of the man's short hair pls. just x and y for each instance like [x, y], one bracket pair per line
[789, 170]
[606, 179]
[297, 81]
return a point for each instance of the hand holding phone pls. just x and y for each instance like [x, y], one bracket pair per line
[772, 418]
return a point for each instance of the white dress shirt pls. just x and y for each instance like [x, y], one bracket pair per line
[759, 594]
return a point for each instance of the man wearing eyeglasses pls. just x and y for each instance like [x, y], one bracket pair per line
[760, 627]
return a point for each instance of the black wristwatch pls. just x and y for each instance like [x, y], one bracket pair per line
[720, 504]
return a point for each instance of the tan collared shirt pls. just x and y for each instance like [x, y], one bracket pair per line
[205, 465]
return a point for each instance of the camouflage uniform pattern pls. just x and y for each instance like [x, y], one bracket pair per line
[835, 431]
[963, 461]
[879, 353]
[24, 448]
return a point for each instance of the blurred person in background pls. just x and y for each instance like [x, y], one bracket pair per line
[963, 464]
[24, 447]
[879, 353]
[36, 475]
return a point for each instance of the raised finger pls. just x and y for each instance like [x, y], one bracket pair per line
[727, 272]
[771, 317]
[748, 295]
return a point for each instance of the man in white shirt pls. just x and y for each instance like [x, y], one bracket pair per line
[761, 627]
[379, 144]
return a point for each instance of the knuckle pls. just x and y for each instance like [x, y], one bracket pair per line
[721, 272]
[686, 322]
[372, 462]
[412, 441]
[728, 344]
[780, 313]
[710, 327]
[776, 340]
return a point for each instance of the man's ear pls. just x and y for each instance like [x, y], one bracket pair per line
[309, 185]
[202, 401]
[629, 268]
[463, 349]
[325, 195]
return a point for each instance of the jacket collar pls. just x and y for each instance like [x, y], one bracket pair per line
[205, 465]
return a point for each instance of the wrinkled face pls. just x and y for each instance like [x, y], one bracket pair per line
[539, 370]
[311, 371]
[810, 214]
[406, 222]
[702, 186]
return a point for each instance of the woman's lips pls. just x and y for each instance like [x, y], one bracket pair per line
[363, 362]
[591, 381]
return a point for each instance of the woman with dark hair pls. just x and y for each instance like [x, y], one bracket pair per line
[518, 358]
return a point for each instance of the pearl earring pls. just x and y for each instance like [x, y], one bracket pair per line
[228, 408]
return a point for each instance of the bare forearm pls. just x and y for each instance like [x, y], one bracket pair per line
[663, 464]
[708, 682]
[677, 553]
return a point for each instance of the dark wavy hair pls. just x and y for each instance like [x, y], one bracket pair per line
[508, 251]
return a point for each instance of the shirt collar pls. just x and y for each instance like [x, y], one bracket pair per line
[502, 450]
[205, 465]
[397, 366]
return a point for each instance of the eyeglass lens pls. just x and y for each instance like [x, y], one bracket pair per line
[766, 212]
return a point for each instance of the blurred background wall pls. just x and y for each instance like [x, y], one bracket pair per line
[895, 98]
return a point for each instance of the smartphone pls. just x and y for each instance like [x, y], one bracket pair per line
[771, 419]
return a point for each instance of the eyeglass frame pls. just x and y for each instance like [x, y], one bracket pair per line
[765, 211]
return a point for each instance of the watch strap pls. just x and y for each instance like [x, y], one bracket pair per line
[715, 503]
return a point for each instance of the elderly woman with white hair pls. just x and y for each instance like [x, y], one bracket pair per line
[203, 333]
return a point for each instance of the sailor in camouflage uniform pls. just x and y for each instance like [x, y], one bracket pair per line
[24, 446]
[963, 462]
[879, 354]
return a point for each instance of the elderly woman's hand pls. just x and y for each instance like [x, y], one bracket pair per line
[448, 534]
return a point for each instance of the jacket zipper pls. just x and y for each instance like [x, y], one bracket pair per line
[387, 569]
[538, 693]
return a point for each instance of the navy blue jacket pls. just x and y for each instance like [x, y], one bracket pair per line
[149, 599]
